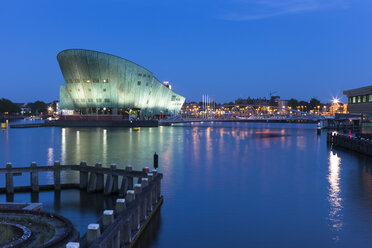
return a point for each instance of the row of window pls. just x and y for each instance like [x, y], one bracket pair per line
[143, 75]
[139, 83]
[360, 99]
[91, 100]
[104, 90]
[93, 80]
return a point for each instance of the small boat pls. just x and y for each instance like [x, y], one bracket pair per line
[136, 129]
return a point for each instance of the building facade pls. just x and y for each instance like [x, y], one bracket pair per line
[102, 83]
[359, 100]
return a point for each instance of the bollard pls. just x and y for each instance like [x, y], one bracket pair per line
[145, 182]
[9, 179]
[100, 179]
[57, 175]
[34, 178]
[108, 218]
[128, 168]
[130, 196]
[137, 188]
[93, 233]
[156, 160]
[83, 175]
[120, 205]
[73, 245]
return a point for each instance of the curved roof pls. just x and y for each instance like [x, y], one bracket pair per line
[94, 51]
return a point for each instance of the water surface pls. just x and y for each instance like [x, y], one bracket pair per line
[225, 184]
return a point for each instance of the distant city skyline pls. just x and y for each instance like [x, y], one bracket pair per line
[226, 49]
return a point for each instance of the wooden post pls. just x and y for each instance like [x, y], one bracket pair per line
[108, 218]
[57, 175]
[109, 186]
[93, 233]
[34, 177]
[123, 187]
[73, 245]
[9, 179]
[83, 175]
[126, 233]
[130, 182]
[120, 205]
[100, 179]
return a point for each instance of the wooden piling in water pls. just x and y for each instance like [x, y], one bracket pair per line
[57, 175]
[34, 177]
[9, 179]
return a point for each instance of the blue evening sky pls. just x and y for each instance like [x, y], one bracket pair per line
[224, 48]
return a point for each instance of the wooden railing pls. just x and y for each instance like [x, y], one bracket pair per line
[119, 227]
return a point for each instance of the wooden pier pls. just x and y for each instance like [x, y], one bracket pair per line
[360, 145]
[139, 197]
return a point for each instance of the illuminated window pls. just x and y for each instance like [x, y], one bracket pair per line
[139, 83]
[359, 99]
[370, 98]
[364, 99]
[354, 99]
[105, 80]
[87, 80]
[107, 100]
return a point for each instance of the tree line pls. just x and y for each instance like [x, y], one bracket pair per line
[9, 107]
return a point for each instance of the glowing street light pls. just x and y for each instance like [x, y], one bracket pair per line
[336, 100]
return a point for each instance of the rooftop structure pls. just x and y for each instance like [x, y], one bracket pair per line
[360, 100]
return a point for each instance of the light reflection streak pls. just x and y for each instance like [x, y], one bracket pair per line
[78, 146]
[334, 197]
[63, 146]
[104, 148]
[50, 156]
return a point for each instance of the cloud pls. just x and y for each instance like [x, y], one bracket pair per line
[243, 10]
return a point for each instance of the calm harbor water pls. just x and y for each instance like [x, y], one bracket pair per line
[225, 184]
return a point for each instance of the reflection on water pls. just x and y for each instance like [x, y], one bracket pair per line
[335, 200]
[224, 184]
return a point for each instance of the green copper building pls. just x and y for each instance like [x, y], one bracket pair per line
[102, 83]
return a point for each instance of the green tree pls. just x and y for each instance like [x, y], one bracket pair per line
[8, 106]
[293, 103]
[38, 107]
[314, 103]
